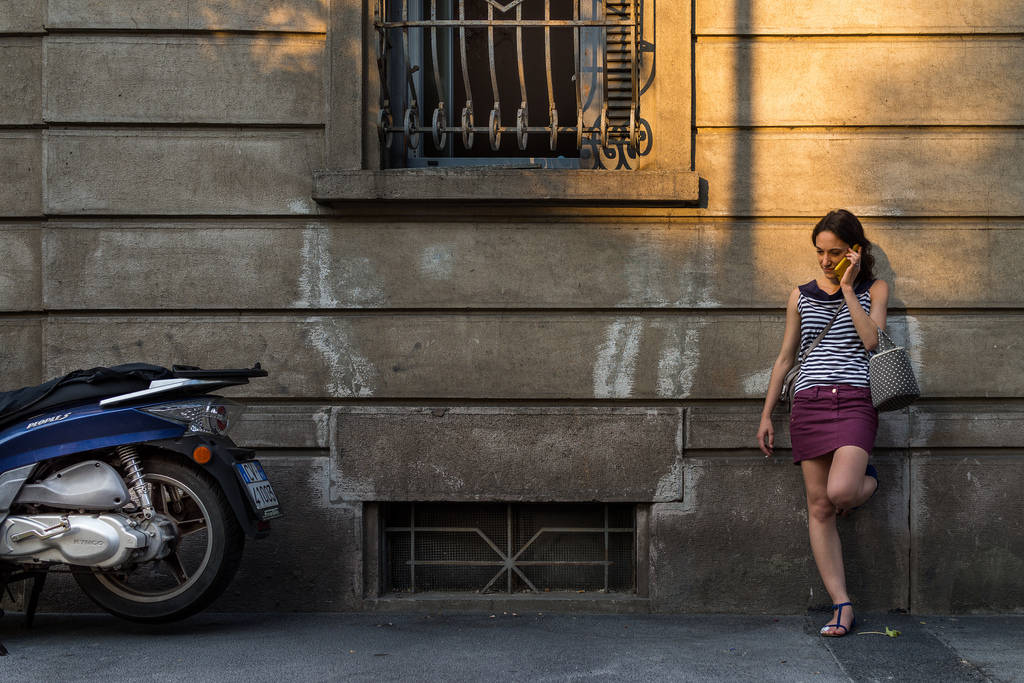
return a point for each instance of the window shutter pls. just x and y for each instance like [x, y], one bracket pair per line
[621, 69]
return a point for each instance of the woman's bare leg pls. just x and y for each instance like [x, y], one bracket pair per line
[821, 526]
[848, 485]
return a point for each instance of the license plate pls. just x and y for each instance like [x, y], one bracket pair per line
[261, 493]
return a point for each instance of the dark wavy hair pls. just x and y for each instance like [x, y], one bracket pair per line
[847, 227]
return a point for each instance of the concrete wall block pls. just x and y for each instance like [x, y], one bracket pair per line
[525, 356]
[175, 172]
[913, 277]
[994, 367]
[22, 16]
[325, 264]
[987, 425]
[226, 15]
[667, 103]
[185, 79]
[257, 267]
[860, 82]
[407, 265]
[312, 560]
[432, 356]
[737, 541]
[845, 16]
[21, 272]
[968, 552]
[506, 454]
[20, 362]
[284, 426]
[872, 173]
[21, 81]
[21, 174]
[731, 427]
[348, 60]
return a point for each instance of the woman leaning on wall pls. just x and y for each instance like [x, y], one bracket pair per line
[832, 420]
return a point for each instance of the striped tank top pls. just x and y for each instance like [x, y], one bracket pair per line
[840, 358]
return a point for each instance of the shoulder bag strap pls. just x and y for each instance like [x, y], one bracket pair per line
[791, 377]
[821, 336]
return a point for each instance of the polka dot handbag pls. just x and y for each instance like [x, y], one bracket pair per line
[893, 385]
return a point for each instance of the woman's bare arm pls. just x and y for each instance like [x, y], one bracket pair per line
[783, 363]
[867, 326]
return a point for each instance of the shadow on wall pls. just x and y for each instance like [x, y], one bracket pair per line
[296, 15]
[283, 53]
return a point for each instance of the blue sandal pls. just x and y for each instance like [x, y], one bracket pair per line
[873, 473]
[839, 617]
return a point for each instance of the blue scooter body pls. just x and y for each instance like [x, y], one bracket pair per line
[127, 476]
[86, 425]
[77, 429]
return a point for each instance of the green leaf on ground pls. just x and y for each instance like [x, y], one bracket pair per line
[892, 633]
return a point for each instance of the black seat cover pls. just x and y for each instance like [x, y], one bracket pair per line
[77, 387]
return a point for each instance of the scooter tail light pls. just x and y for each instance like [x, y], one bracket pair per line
[204, 416]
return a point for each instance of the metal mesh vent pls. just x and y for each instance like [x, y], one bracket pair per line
[504, 547]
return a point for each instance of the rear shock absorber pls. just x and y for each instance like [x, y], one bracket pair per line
[129, 457]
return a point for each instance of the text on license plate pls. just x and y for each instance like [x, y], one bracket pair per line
[260, 491]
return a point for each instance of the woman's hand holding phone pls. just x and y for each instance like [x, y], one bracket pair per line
[840, 269]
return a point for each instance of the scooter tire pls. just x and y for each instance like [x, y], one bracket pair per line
[216, 544]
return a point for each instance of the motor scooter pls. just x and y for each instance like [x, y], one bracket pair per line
[126, 478]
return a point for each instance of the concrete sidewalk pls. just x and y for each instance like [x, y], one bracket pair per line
[510, 647]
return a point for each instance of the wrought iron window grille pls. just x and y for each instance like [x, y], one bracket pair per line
[425, 45]
[491, 547]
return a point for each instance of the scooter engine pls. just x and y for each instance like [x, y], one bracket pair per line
[103, 540]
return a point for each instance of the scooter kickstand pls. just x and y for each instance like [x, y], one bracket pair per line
[38, 579]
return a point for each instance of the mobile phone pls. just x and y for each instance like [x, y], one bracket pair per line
[843, 264]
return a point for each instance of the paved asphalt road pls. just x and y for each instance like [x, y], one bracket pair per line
[509, 647]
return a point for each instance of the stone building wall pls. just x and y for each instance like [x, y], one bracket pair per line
[159, 163]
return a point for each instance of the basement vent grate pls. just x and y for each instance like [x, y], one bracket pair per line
[509, 547]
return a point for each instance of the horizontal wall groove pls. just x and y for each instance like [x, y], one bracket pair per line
[439, 220]
[219, 222]
[179, 217]
[654, 402]
[781, 455]
[10, 316]
[427, 215]
[864, 37]
[291, 452]
[163, 32]
[1007, 452]
[175, 126]
[377, 402]
[870, 128]
[482, 311]
[754, 404]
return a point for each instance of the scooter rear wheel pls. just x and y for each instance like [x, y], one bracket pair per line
[202, 561]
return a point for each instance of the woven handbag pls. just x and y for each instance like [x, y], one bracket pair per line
[893, 384]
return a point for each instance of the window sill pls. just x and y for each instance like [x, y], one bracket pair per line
[593, 187]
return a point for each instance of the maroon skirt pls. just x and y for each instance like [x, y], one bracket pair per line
[825, 418]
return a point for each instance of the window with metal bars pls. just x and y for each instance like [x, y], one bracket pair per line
[516, 83]
[509, 547]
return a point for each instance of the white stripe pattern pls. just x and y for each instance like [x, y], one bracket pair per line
[840, 357]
